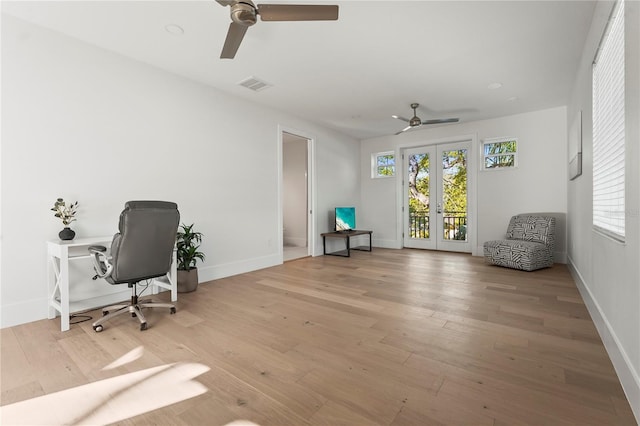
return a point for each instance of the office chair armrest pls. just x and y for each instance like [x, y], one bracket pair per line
[101, 262]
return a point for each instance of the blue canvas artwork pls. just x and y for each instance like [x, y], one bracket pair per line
[345, 218]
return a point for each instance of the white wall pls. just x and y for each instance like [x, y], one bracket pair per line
[538, 184]
[608, 272]
[86, 124]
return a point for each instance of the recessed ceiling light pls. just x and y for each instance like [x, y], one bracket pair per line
[494, 86]
[174, 29]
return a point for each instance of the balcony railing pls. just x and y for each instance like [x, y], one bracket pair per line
[454, 225]
[419, 225]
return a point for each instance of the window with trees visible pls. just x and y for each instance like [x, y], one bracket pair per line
[609, 129]
[499, 153]
[384, 164]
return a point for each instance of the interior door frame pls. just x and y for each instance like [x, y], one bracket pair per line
[472, 184]
[311, 189]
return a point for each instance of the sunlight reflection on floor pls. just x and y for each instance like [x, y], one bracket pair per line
[111, 400]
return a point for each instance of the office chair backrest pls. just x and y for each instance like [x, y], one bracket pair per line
[143, 248]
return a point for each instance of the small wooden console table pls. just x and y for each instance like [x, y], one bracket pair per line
[345, 235]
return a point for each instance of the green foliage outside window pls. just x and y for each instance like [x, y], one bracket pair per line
[454, 165]
[454, 175]
[419, 183]
[455, 181]
[419, 195]
[385, 165]
[499, 154]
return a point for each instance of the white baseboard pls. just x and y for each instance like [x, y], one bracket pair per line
[23, 312]
[37, 309]
[235, 268]
[390, 244]
[627, 375]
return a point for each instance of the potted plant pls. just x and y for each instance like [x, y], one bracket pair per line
[67, 214]
[188, 242]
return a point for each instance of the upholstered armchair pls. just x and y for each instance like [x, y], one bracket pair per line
[528, 245]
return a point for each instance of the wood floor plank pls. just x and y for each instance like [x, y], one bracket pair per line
[388, 337]
[335, 414]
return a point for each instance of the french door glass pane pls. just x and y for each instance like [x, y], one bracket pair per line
[419, 196]
[454, 195]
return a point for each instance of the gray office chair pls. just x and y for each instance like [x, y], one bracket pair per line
[142, 250]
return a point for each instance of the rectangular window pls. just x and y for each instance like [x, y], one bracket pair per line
[608, 129]
[499, 153]
[383, 164]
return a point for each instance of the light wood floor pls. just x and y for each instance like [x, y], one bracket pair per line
[391, 337]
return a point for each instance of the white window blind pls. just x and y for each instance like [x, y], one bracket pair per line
[608, 129]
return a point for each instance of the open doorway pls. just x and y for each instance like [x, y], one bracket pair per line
[296, 205]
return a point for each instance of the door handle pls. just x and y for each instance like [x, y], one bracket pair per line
[439, 210]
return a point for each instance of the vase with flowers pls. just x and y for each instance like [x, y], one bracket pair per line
[67, 213]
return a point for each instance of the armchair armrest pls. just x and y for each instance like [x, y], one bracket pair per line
[101, 262]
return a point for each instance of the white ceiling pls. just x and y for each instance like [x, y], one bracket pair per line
[354, 73]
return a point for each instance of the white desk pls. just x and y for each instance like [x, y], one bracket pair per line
[60, 253]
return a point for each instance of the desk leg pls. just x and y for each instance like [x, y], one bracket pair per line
[64, 289]
[169, 281]
[53, 280]
[324, 245]
[173, 277]
[348, 246]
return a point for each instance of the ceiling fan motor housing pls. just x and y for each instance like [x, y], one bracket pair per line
[415, 121]
[244, 13]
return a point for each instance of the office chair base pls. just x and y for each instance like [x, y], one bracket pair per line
[135, 309]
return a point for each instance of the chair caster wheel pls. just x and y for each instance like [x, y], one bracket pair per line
[143, 326]
[133, 315]
[173, 311]
[105, 313]
[97, 328]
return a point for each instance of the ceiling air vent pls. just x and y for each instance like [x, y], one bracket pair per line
[254, 84]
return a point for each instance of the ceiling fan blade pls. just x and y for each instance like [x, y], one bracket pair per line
[441, 120]
[404, 130]
[400, 118]
[234, 38]
[297, 12]
[227, 2]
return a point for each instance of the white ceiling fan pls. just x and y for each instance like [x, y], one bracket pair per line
[415, 121]
[244, 14]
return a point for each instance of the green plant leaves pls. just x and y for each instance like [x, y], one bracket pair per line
[188, 242]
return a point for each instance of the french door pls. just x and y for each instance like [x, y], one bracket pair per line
[436, 197]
